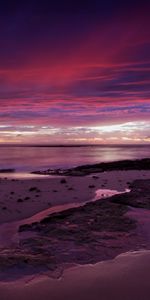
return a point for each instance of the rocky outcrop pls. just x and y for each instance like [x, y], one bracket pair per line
[139, 164]
[96, 231]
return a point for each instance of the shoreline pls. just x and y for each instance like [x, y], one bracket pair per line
[94, 233]
[22, 198]
[125, 277]
[83, 170]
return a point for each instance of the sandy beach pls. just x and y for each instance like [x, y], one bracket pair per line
[46, 219]
[126, 278]
[22, 198]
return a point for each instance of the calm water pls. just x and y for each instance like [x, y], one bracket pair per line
[25, 159]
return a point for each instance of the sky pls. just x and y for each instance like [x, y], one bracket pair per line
[75, 72]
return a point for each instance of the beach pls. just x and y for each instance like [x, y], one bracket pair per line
[58, 240]
[126, 278]
[22, 198]
[74, 150]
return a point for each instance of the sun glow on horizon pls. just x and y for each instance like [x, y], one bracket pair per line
[132, 132]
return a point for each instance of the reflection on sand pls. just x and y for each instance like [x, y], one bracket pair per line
[23, 175]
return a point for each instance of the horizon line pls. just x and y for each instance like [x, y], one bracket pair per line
[69, 145]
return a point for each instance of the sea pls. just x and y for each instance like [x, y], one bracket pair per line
[34, 158]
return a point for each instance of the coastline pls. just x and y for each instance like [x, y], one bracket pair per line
[126, 277]
[22, 198]
[95, 232]
[83, 170]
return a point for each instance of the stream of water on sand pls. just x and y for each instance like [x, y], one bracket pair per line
[9, 231]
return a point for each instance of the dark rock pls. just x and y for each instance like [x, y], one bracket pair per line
[32, 189]
[19, 200]
[63, 181]
[97, 231]
[4, 208]
[26, 198]
[138, 164]
[7, 170]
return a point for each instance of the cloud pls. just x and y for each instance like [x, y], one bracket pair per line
[75, 69]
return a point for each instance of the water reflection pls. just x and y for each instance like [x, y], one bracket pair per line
[34, 158]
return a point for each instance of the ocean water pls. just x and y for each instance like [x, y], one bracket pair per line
[29, 158]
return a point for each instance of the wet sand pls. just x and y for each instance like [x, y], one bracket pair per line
[124, 225]
[124, 278]
[20, 199]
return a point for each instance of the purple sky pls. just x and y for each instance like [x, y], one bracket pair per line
[72, 73]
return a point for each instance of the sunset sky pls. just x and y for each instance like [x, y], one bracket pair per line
[74, 72]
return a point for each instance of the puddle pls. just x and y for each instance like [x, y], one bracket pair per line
[104, 193]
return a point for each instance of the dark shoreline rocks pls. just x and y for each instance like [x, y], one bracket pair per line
[97, 231]
[123, 165]
[7, 170]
